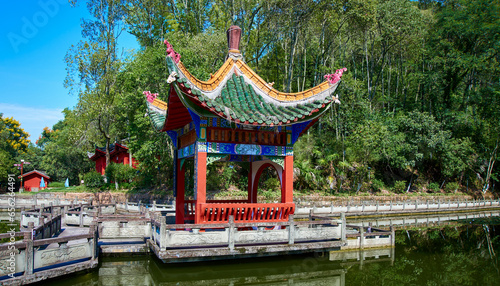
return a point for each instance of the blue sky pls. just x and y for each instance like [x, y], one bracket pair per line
[35, 36]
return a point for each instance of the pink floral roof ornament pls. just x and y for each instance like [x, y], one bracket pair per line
[335, 77]
[171, 52]
[150, 97]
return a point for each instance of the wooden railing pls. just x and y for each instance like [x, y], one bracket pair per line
[245, 212]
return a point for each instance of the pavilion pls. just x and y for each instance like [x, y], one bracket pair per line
[234, 116]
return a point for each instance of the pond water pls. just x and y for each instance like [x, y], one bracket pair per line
[462, 254]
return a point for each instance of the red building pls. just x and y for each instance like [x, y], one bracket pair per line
[32, 180]
[118, 154]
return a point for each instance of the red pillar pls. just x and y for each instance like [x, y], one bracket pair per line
[201, 184]
[179, 200]
[287, 181]
[252, 196]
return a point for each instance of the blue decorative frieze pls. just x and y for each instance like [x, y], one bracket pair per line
[187, 151]
[244, 149]
[247, 149]
[245, 158]
[289, 151]
[225, 123]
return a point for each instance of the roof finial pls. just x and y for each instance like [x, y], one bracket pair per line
[233, 40]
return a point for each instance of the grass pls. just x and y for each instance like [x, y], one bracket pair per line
[70, 189]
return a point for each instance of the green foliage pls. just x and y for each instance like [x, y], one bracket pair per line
[451, 187]
[93, 180]
[434, 187]
[377, 185]
[120, 173]
[419, 100]
[399, 187]
[272, 184]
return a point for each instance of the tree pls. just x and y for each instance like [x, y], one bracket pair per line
[14, 138]
[64, 153]
[13, 142]
[97, 64]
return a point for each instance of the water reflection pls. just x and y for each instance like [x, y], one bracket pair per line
[452, 255]
[315, 269]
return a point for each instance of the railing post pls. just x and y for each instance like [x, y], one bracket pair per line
[95, 242]
[390, 208]
[311, 214]
[231, 233]
[126, 204]
[163, 232]
[343, 228]
[28, 239]
[65, 211]
[80, 215]
[40, 210]
[154, 205]
[291, 230]
[393, 237]
[362, 236]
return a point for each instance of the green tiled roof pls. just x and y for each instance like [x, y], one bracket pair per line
[239, 102]
[157, 117]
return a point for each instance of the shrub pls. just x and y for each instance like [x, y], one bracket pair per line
[119, 173]
[93, 180]
[272, 184]
[399, 187]
[377, 185]
[434, 187]
[451, 187]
